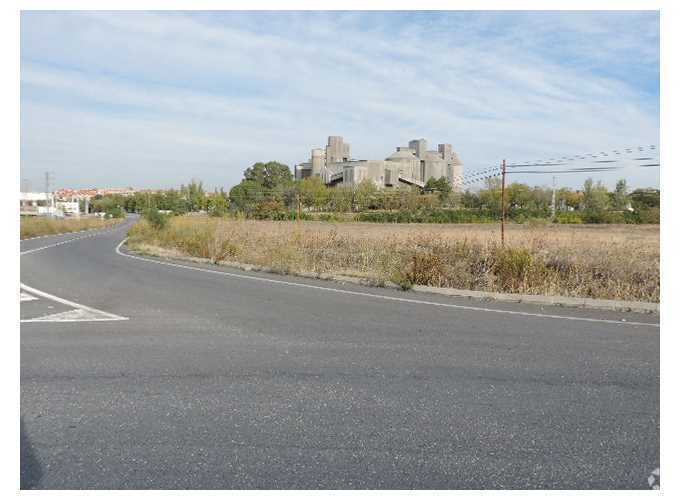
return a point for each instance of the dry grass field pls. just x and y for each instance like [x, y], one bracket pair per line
[31, 227]
[599, 261]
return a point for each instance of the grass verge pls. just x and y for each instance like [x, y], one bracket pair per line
[30, 227]
[610, 263]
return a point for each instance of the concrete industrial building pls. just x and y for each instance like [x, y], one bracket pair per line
[407, 166]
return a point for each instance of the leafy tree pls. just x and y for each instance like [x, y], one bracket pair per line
[340, 199]
[365, 194]
[270, 175]
[313, 192]
[194, 195]
[567, 198]
[470, 200]
[595, 196]
[217, 205]
[490, 198]
[645, 198]
[245, 195]
[105, 203]
[114, 212]
[519, 195]
[440, 186]
[620, 195]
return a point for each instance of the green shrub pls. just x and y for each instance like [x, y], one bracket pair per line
[274, 210]
[217, 211]
[402, 280]
[428, 215]
[649, 215]
[114, 213]
[594, 216]
[568, 218]
[157, 220]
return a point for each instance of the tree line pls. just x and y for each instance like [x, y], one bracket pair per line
[269, 191]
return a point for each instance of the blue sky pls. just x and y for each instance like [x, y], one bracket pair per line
[153, 99]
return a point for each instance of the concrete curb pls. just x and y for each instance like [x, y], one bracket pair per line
[547, 300]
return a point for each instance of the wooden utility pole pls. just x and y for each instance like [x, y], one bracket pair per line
[503, 204]
[552, 204]
[299, 206]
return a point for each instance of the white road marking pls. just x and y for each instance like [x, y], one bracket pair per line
[91, 233]
[57, 234]
[86, 313]
[378, 296]
[57, 244]
[26, 297]
[81, 312]
[72, 316]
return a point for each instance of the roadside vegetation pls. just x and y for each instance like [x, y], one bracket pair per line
[268, 191]
[31, 227]
[609, 262]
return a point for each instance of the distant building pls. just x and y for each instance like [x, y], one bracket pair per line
[36, 203]
[68, 207]
[412, 165]
[92, 192]
[41, 204]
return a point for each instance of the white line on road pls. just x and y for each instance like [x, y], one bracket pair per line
[24, 297]
[89, 235]
[56, 234]
[378, 296]
[93, 314]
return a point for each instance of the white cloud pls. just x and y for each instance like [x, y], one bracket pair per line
[156, 99]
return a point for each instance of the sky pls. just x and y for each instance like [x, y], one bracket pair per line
[155, 99]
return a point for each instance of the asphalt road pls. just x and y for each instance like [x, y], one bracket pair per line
[174, 377]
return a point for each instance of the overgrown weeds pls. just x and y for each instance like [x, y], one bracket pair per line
[31, 227]
[538, 259]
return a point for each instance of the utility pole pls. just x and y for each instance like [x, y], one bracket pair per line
[503, 204]
[299, 206]
[48, 200]
[552, 205]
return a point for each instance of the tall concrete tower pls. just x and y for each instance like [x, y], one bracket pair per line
[419, 146]
[318, 158]
[445, 150]
[456, 171]
[336, 150]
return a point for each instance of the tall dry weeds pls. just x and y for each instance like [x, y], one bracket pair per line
[31, 227]
[614, 263]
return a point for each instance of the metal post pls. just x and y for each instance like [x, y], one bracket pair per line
[503, 205]
[553, 200]
[299, 206]
[48, 201]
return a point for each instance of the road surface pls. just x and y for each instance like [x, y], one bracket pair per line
[137, 373]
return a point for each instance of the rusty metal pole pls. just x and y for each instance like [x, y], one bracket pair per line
[503, 205]
[299, 206]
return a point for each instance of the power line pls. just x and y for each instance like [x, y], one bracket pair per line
[609, 156]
